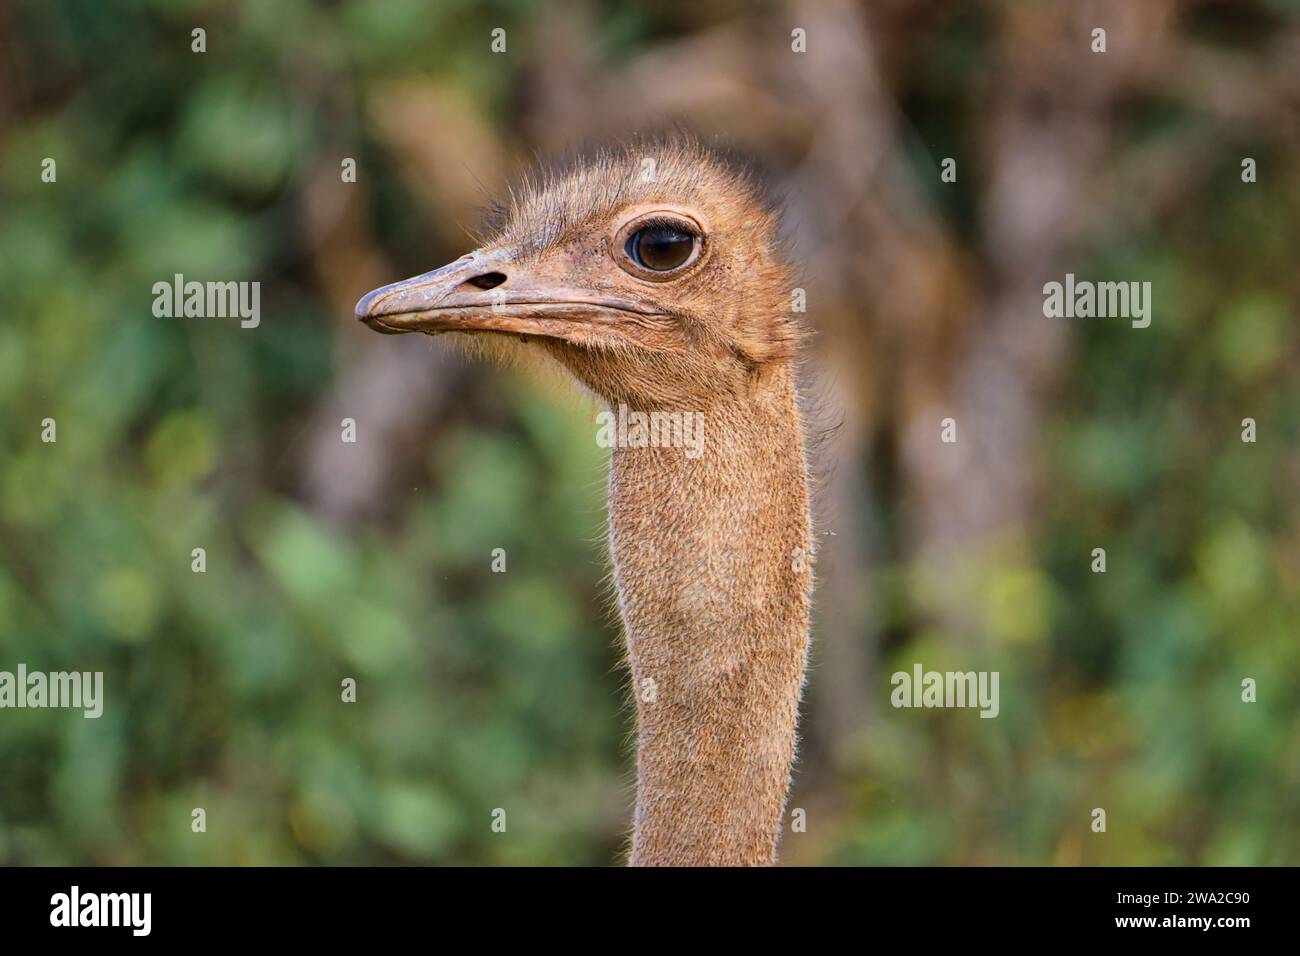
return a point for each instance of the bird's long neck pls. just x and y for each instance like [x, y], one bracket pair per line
[712, 564]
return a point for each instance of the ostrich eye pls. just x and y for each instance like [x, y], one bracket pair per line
[660, 247]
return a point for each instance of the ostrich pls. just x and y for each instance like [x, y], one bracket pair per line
[653, 277]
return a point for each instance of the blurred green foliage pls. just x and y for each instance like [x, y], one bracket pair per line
[477, 690]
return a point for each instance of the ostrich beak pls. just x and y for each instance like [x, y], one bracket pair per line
[490, 292]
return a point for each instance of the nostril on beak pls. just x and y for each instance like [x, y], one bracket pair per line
[488, 280]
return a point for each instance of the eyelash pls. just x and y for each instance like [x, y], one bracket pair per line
[676, 225]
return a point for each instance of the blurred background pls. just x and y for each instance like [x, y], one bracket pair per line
[371, 560]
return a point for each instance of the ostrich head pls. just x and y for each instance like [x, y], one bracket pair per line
[652, 274]
[654, 277]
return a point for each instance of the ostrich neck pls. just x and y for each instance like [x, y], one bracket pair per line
[711, 561]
